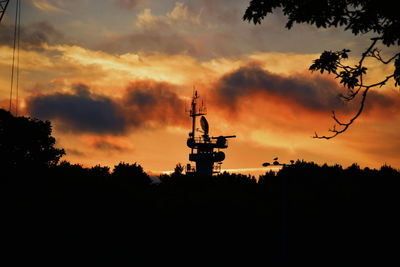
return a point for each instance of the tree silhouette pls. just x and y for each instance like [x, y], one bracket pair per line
[26, 143]
[178, 169]
[361, 17]
[130, 175]
[100, 173]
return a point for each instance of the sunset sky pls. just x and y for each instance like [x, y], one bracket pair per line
[115, 76]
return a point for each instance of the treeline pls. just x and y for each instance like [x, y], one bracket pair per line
[303, 214]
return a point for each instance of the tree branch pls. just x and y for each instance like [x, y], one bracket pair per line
[376, 54]
[347, 70]
[366, 53]
[347, 124]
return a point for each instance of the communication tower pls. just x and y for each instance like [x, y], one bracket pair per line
[205, 150]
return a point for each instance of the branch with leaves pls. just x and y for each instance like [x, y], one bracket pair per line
[352, 78]
[360, 17]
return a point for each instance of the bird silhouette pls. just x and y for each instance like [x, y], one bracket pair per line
[276, 158]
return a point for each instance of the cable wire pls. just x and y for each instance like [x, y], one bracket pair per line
[18, 45]
[16, 41]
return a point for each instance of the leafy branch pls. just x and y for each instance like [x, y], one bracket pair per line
[359, 17]
[352, 78]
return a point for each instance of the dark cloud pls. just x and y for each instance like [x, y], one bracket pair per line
[144, 104]
[32, 36]
[153, 103]
[313, 92]
[79, 112]
[376, 100]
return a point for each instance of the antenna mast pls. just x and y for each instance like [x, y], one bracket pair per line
[195, 112]
[205, 150]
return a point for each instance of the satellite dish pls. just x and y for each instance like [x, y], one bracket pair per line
[204, 124]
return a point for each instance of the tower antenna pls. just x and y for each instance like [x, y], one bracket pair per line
[205, 150]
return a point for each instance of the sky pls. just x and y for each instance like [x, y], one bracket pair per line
[116, 76]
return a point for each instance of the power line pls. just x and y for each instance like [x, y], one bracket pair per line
[18, 42]
[15, 48]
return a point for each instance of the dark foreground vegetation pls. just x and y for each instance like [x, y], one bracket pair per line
[303, 214]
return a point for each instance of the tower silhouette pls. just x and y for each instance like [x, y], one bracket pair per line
[205, 150]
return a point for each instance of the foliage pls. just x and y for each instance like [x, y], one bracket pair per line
[130, 174]
[360, 17]
[318, 209]
[178, 170]
[27, 143]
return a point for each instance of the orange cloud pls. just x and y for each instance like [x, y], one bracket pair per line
[154, 104]
[107, 143]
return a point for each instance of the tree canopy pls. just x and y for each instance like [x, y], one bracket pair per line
[26, 143]
[378, 18]
[130, 174]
